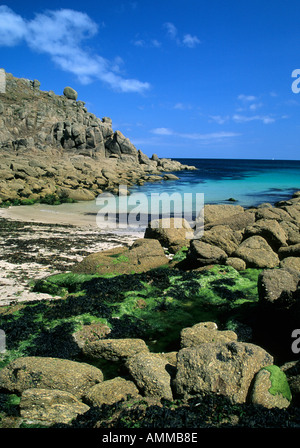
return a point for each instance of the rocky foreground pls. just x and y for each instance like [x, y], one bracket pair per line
[165, 332]
[53, 150]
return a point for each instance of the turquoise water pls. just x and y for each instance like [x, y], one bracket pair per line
[249, 182]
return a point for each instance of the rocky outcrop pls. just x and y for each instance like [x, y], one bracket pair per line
[50, 145]
[263, 237]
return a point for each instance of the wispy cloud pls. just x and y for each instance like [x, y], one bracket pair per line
[61, 35]
[247, 98]
[194, 135]
[219, 119]
[266, 119]
[151, 43]
[186, 41]
[190, 41]
[182, 106]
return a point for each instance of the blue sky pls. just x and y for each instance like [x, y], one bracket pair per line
[192, 78]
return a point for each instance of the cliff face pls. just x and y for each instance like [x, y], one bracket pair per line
[50, 145]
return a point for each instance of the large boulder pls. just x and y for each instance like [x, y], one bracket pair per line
[114, 349]
[276, 286]
[203, 333]
[270, 230]
[173, 233]
[143, 255]
[290, 251]
[257, 253]
[79, 194]
[49, 373]
[46, 406]
[292, 232]
[149, 373]
[221, 368]
[204, 254]
[111, 391]
[271, 388]
[223, 237]
[272, 213]
[70, 93]
[292, 265]
[215, 213]
[118, 144]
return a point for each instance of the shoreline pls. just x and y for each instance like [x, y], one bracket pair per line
[40, 240]
[48, 214]
[34, 246]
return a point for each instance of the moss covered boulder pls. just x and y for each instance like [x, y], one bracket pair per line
[143, 255]
[271, 388]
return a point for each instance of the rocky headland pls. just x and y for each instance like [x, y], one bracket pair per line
[53, 150]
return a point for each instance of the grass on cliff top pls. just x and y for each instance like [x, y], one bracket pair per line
[154, 306]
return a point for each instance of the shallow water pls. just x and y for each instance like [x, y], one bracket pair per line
[248, 182]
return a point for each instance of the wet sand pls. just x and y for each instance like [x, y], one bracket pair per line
[67, 214]
[41, 240]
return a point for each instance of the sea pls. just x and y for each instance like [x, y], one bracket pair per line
[247, 183]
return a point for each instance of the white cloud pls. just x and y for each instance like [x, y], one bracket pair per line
[162, 131]
[244, 119]
[190, 41]
[146, 43]
[182, 106]
[187, 41]
[139, 43]
[195, 136]
[247, 97]
[255, 106]
[219, 119]
[155, 43]
[12, 27]
[61, 34]
[171, 30]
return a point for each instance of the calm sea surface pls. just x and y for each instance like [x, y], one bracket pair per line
[248, 182]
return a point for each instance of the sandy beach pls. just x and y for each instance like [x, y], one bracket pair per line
[67, 214]
[40, 240]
